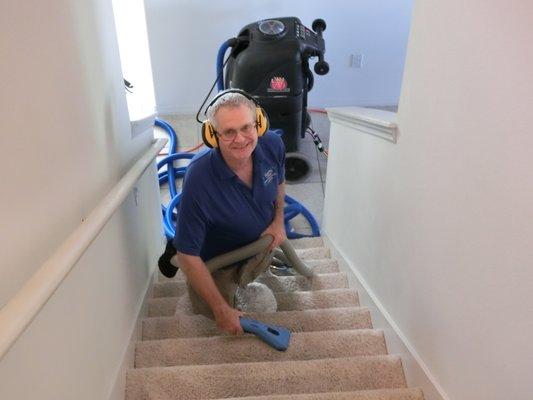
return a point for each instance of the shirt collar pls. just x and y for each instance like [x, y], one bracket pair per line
[220, 166]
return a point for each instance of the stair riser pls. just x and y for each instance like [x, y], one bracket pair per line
[305, 243]
[276, 284]
[220, 350]
[320, 266]
[379, 394]
[252, 379]
[317, 300]
[166, 306]
[297, 321]
[313, 253]
[300, 283]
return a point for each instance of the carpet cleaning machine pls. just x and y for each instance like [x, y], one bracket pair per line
[270, 60]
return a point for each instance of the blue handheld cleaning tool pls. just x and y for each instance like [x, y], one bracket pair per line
[275, 336]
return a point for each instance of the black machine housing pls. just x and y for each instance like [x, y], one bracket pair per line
[271, 62]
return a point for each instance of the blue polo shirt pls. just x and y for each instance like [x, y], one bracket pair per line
[218, 212]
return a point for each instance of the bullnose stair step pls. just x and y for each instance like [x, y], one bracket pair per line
[291, 301]
[317, 299]
[182, 325]
[248, 348]
[313, 252]
[304, 243]
[323, 265]
[265, 378]
[378, 394]
[336, 280]
[319, 265]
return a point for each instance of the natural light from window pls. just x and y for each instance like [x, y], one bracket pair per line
[130, 22]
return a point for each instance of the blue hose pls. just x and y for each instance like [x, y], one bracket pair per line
[173, 138]
[220, 64]
[292, 207]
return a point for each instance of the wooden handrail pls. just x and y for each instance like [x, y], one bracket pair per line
[24, 306]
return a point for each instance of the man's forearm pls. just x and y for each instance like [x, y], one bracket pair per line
[280, 203]
[198, 276]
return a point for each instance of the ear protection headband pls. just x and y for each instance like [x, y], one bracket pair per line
[208, 131]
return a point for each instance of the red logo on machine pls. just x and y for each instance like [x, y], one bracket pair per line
[278, 84]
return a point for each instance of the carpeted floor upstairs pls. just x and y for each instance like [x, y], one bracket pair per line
[334, 352]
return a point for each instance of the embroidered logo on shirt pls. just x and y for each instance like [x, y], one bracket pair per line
[268, 177]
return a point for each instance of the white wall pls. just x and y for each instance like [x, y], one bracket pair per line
[440, 224]
[65, 140]
[185, 36]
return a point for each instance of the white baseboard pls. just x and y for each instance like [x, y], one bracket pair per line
[119, 388]
[416, 372]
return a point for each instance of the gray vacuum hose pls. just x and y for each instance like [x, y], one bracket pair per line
[242, 253]
[255, 248]
[294, 260]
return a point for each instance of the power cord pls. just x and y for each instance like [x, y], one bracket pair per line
[219, 76]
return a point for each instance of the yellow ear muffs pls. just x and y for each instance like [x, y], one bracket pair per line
[261, 120]
[209, 136]
[208, 132]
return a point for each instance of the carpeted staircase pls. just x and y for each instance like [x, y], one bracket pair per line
[334, 352]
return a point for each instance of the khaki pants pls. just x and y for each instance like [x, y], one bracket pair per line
[229, 278]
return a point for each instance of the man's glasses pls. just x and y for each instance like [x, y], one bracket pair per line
[231, 134]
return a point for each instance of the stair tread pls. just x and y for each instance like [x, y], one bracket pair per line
[265, 378]
[307, 254]
[319, 265]
[182, 325]
[289, 301]
[313, 252]
[378, 394]
[303, 243]
[334, 280]
[276, 283]
[334, 353]
[248, 348]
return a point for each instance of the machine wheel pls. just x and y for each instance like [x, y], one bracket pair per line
[297, 167]
[319, 24]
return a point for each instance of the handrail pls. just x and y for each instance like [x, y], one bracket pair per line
[24, 306]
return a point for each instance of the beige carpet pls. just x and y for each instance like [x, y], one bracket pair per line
[334, 351]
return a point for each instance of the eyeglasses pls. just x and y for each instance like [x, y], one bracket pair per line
[231, 134]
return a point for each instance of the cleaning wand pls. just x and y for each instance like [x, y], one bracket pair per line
[276, 336]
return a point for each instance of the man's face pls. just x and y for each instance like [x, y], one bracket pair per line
[237, 133]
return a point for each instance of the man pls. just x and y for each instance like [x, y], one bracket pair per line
[232, 195]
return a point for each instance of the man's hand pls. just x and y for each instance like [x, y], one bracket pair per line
[227, 319]
[277, 230]
[202, 282]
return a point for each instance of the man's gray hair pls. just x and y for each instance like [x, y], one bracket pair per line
[230, 100]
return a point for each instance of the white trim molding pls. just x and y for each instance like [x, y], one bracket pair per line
[417, 373]
[366, 120]
[142, 123]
